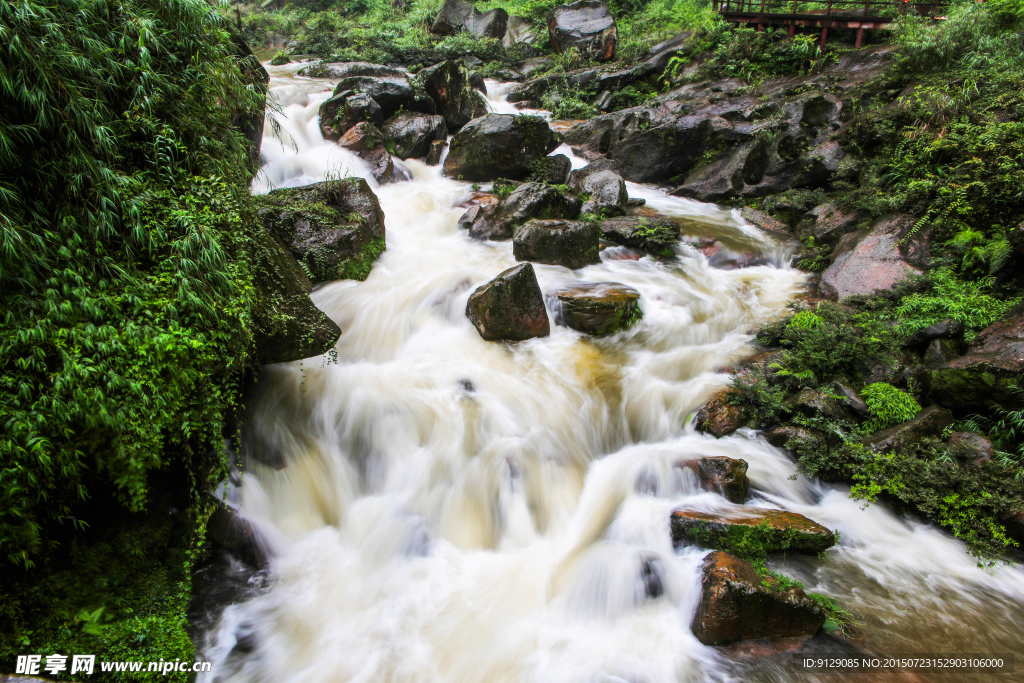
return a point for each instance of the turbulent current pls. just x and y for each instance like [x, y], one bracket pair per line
[443, 508]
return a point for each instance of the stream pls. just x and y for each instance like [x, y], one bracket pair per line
[446, 509]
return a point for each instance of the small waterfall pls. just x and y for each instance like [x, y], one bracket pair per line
[448, 509]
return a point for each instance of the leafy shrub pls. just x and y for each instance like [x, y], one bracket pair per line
[966, 301]
[888, 405]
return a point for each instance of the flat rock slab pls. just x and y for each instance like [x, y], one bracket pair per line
[750, 529]
[739, 604]
[597, 308]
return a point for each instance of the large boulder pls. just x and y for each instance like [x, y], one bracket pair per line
[452, 17]
[737, 603]
[746, 529]
[510, 307]
[879, 260]
[411, 134]
[989, 369]
[605, 191]
[335, 228]
[528, 201]
[499, 146]
[596, 308]
[392, 93]
[531, 93]
[288, 325]
[553, 170]
[586, 25]
[491, 24]
[448, 85]
[653, 234]
[573, 244]
[344, 110]
[367, 143]
[930, 422]
[339, 70]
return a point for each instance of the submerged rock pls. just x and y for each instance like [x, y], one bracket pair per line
[586, 25]
[727, 476]
[719, 416]
[596, 308]
[654, 235]
[452, 17]
[367, 143]
[448, 85]
[499, 146]
[528, 201]
[288, 325]
[340, 70]
[510, 307]
[748, 528]
[335, 228]
[737, 603]
[412, 134]
[573, 244]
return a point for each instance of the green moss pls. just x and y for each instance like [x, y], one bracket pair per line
[358, 267]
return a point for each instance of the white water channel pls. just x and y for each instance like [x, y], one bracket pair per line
[446, 509]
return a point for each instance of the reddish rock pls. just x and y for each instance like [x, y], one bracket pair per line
[971, 447]
[878, 261]
[738, 604]
[774, 530]
[718, 416]
[367, 143]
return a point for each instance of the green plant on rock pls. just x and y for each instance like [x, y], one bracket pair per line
[949, 297]
[888, 405]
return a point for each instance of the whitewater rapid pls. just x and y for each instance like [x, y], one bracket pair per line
[442, 508]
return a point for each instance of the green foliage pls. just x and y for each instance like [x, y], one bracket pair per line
[970, 35]
[966, 301]
[503, 188]
[123, 252]
[805, 320]
[888, 405]
[280, 58]
[1005, 427]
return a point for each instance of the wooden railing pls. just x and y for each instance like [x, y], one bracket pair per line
[826, 14]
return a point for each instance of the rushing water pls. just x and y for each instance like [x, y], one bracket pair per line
[442, 508]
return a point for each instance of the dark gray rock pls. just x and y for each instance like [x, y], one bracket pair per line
[447, 84]
[510, 307]
[930, 422]
[945, 329]
[552, 169]
[530, 93]
[528, 201]
[392, 93]
[499, 146]
[605, 191]
[435, 152]
[971, 448]
[938, 353]
[573, 244]
[519, 30]
[849, 398]
[652, 234]
[340, 70]
[346, 109]
[586, 25]
[411, 134]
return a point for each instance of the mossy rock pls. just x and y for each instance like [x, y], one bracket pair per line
[750, 532]
[597, 308]
[499, 146]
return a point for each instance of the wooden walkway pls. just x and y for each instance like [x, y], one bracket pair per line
[825, 14]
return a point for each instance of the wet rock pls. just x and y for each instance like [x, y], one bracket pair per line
[499, 146]
[586, 25]
[718, 416]
[878, 261]
[367, 143]
[231, 531]
[987, 370]
[930, 422]
[652, 575]
[739, 604]
[510, 307]
[948, 329]
[477, 82]
[800, 439]
[938, 353]
[553, 170]
[288, 325]
[412, 134]
[749, 527]
[336, 229]
[526, 202]
[530, 93]
[764, 221]
[605, 191]
[596, 308]
[447, 85]
[519, 30]
[849, 398]
[970, 447]
[573, 244]
[831, 223]
[391, 93]
[346, 109]
[490, 24]
[340, 70]
[452, 17]
[727, 476]
[652, 234]
[435, 152]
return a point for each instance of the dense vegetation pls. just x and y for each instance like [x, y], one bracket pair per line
[125, 295]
